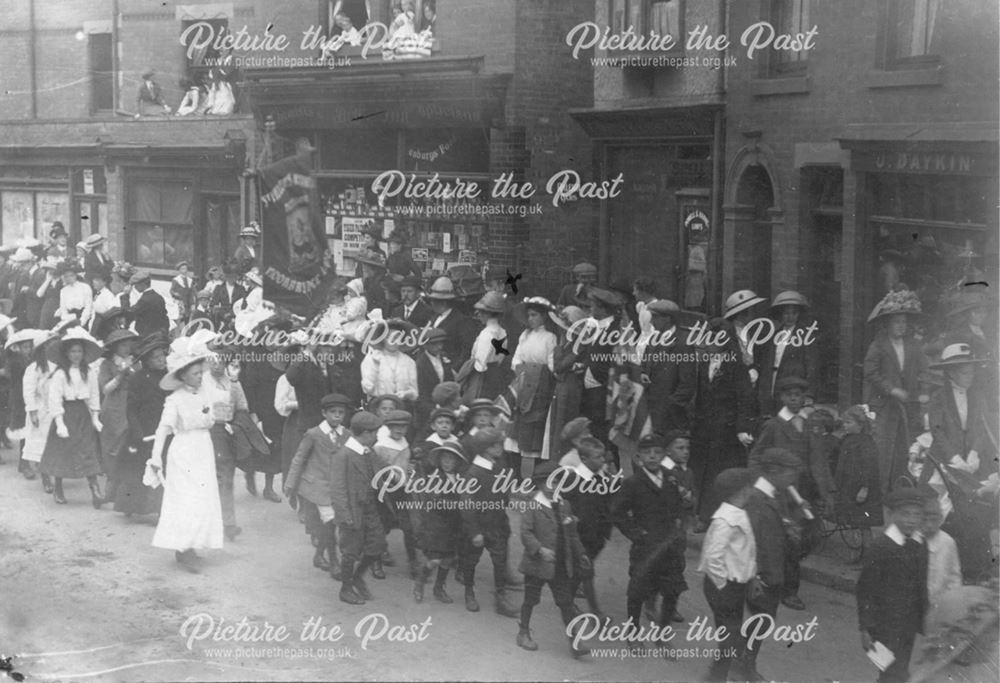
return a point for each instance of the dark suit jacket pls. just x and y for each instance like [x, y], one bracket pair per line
[487, 514]
[724, 405]
[568, 297]
[671, 388]
[427, 379]
[883, 374]
[815, 478]
[946, 426]
[33, 302]
[461, 331]
[594, 512]
[540, 529]
[149, 313]
[247, 260]
[310, 385]
[796, 361]
[646, 514]
[221, 303]
[892, 590]
[765, 515]
[351, 478]
[92, 265]
[421, 315]
[310, 474]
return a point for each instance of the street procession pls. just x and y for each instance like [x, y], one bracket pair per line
[295, 342]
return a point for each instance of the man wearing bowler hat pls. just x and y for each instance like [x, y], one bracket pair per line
[226, 294]
[410, 307]
[149, 312]
[585, 276]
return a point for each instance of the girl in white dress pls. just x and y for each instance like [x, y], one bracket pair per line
[36, 403]
[191, 515]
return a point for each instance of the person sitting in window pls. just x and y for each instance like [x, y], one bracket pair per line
[192, 97]
[358, 12]
[149, 101]
[349, 34]
[430, 18]
[220, 95]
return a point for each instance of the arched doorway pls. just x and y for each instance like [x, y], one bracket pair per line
[752, 237]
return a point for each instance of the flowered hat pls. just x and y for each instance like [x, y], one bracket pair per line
[184, 352]
[904, 301]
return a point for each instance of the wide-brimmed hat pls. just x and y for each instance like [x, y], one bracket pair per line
[568, 316]
[789, 298]
[149, 343]
[76, 335]
[584, 268]
[443, 289]
[57, 230]
[250, 230]
[6, 322]
[370, 259]
[449, 446]
[663, 307]
[20, 337]
[184, 352]
[22, 255]
[957, 354]
[540, 304]
[253, 275]
[68, 266]
[118, 335]
[94, 240]
[492, 302]
[894, 303]
[740, 301]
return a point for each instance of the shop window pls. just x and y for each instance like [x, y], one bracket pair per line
[909, 33]
[101, 69]
[788, 17]
[18, 216]
[161, 223]
[360, 149]
[456, 151]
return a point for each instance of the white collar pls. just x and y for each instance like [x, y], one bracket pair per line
[325, 427]
[543, 500]
[958, 390]
[355, 446]
[387, 440]
[668, 462]
[764, 486]
[444, 315]
[585, 472]
[893, 532]
[656, 478]
[485, 463]
[787, 415]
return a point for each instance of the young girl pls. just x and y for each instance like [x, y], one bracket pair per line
[859, 490]
[71, 450]
[533, 363]
[35, 392]
[437, 528]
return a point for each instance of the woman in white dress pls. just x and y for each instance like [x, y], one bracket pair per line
[533, 365]
[191, 515]
[36, 407]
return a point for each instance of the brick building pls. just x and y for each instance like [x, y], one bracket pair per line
[796, 157]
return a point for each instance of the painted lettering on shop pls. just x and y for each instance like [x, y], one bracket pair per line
[940, 162]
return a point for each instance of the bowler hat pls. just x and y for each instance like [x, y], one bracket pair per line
[485, 438]
[363, 421]
[780, 457]
[332, 400]
[740, 301]
[584, 268]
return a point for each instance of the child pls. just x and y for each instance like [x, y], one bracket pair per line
[859, 492]
[678, 454]
[438, 527]
[310, 476]
[362, 538]
[649, 512]
[482, 413]
[824, 437]
[729, 561]
[393, 449]
[572, 433]
[484, 520]
[382, 406]
[443, 426]
[553, 554]
[448, 395]
[892, 587]
[182, 289]
[202, 307]
[944, 570]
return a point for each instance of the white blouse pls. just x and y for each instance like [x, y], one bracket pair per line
[535, 346]
[183, 411]
[35, 389]
[285, 400]
[389, 373]
[76, 388]
[483, 351]
[76, 296]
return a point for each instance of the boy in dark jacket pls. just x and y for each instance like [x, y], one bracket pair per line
[310, 478]
[484, 520]
[649, 512]
[553, 554]
[892, 588]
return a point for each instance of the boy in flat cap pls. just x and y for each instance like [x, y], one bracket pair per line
[433, 368]
[484, 520]
[585, 275]
[649, 512]
[553, 555]
[789, 429]
[777, 469]
[355, 506]
[573, 432]
[892, 588]
[310, 477]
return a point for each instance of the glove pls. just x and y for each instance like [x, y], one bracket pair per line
[96, 421]
[477, 540]
[745, 438]
[61, 431]
[547, 554]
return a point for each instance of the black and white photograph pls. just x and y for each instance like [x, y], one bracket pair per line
[500, 340]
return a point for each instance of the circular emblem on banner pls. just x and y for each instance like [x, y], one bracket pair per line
[697, 226]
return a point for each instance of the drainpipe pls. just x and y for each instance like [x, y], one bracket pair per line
[115, 85]
[31, 60]
[718, 167]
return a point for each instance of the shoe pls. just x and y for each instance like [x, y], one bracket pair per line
[525, 642]
[46, 483]
[335, 573]
[57, 493]
[442, 596]
[320, 561]
[361, 588]
[186, 561]
[251, 484]
[418, 592]
[677, 618]
[377, 571]
[471, 603]
[793, 602]
[271, 496]
[350, 596]
[501, 607]
[96, 496]
[232, 531]
[29, 474]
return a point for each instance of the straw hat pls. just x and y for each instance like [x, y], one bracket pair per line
[253, 275]
[539, 303]
[184, 352]
[568, 316]
[955, 355]
[77, 335]
[6, 322]
[20, 337]
[492, 302]
[22, 255]
[250, 230]
[740, 301]
[789, 298]
[443, 289]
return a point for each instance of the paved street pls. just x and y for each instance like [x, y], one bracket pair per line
[85, 597]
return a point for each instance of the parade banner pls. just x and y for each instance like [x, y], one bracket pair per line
[294, 247]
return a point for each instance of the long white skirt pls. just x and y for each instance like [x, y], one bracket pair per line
[191, 515]
[34, 439]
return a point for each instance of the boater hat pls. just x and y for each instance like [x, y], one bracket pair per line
[483, 404]
[184, 352]
[955, 355]
[443, 289]
[449, 446]
[789, 298]
[76, 335]
[740, 301]
[492, 302]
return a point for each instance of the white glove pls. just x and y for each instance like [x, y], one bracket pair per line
[754, 375]
[229, 429]
[97, 423]
[61, 431]
[745, 438]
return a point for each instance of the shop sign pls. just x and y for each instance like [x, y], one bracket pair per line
[940, 163]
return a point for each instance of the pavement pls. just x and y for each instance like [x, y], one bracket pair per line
[85, 597]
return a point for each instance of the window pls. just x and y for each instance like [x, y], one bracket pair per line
[910, 32]
[201, 59]
[788, 17]
[662, 17]
[31, 214]
[101, 72]
[160, 222]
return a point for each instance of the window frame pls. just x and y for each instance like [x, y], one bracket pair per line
[772, 67]
[194, 71]
[644, 13]
[94, 74]
[887, 42]
[134, 225]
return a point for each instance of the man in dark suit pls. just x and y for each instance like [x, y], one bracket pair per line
[149, 98]
[892, 588]
[484, 521]
[778, 470]
[355, 506]
[248, 253]
[460, 329]
[96, 261]
[149, 312]
[648, 510]
[672, 380]
[598, 358]
[784, 355]
[23, 267]
[411, 308]
[226, 294]
[576, 294]
[432, 369]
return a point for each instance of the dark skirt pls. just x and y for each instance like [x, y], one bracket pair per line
[530, 423]
[291, 436]
[77, 456]
[133, 497]
[564, 407]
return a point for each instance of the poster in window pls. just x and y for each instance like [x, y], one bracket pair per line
[51, 207]
[352, 234]
[18, 216]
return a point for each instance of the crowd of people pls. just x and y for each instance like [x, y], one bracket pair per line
[596, 412]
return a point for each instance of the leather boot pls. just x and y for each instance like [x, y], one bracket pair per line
[47, 483]
[347, 592]
[319, 559]
[377, 571]
[524, 640]
[502, 607]
[439, 591]
[57, 492]
[360, 587]
[96, 496]
[471, 603]
[418, 584]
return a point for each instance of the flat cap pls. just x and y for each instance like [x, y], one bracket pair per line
[663, 307]
[484, 404]
[442, 412]
[584, 268]
[139, 276]
[791, 383]
[902, 496]
[398, 417]
[574, 428]
[485, 438]
[363, 421]
[780, 457]
[331, 400]
[446, 392]
[653, 440]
